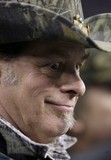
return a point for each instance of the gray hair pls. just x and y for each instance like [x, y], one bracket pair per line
[10, 76]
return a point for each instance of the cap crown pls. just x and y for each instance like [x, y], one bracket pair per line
[67, 8]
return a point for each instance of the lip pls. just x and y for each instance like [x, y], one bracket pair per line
[61, 107]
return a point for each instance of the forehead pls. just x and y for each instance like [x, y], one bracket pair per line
[55, 49]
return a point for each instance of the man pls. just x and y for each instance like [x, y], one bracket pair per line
[41, 53]
[93, 110]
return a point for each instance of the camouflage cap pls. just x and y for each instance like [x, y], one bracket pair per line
[26, 20]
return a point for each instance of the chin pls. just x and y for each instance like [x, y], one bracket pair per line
[64, 127]
[69, 120]
[66, 123]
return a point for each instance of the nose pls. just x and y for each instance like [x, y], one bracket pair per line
[73, 85]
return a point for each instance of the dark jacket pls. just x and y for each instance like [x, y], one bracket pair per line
[5, 156]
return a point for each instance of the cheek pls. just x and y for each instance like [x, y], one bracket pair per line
[33, 92]
[32, 105]
[33, 89]
[38, 81]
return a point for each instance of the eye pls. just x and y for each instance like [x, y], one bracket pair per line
[55, 66]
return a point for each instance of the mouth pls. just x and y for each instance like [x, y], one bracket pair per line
[61, 107]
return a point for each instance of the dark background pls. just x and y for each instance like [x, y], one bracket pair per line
[92, 7]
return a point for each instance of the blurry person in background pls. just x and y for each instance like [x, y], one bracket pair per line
[93, 111]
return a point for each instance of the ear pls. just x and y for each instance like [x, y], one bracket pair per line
[77, 129]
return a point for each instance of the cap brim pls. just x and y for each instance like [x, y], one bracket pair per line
[100, 30]
[105, 46]
[25, 22]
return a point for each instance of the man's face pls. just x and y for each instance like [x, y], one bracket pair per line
[41, 100]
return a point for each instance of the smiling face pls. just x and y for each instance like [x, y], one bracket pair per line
[46, 84]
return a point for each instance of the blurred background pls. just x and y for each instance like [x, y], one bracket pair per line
[92, 7]
[93, 111]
